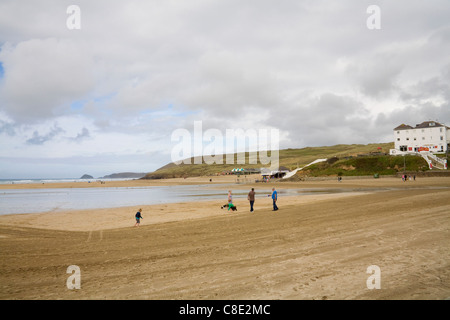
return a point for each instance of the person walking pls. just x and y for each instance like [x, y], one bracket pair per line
[138, 218]
[251, 198]
[274, 198]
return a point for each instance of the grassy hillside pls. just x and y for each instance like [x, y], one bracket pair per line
[294, 158]
[290, 158]
[367, 165]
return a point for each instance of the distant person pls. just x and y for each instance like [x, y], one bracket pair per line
[138, 218]
[230, 200]
[274, 198]
[251, 198]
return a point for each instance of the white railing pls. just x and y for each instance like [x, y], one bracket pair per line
[292, 173]
[434, 161]
[425, 156]
[437, 159]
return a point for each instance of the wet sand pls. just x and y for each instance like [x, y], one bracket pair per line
[314, 247]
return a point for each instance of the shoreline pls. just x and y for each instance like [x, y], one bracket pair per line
[249, 180]
[123, 217]
[135, 182]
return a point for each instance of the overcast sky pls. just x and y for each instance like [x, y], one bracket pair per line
[107, 97]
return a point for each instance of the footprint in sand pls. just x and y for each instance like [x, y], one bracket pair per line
[90, 236]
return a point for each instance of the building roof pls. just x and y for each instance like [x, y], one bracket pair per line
[429, 124]
[403, 127]
[425, 124]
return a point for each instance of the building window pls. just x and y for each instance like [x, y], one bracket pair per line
[407, 139]
[440, 129]
[415, 139]
[423, 138]
[442, 138]
[403, 148]
[398, 132]
[398, 139]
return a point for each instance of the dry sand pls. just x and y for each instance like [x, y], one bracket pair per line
[314, 247]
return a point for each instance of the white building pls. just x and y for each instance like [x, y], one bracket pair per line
[429, 136]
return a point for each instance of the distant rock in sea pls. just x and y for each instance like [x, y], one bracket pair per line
[86, 176]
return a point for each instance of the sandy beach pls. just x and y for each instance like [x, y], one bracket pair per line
[315, 247]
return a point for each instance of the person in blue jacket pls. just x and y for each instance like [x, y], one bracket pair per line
[274, 198]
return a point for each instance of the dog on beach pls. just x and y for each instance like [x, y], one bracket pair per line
[233, 207]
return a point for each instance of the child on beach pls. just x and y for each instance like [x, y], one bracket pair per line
[230, 200]
[138, 218]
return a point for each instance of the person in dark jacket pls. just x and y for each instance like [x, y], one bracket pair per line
[251, 198]
[138, 218]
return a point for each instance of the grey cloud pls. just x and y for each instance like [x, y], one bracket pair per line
[376, 76]
[309, 68]
[7, 127]
[411, 115]
[231, 84]
[210, 56]
[435, 87]
[379, 80]
[81, 136]
[43, 77]
[322, 120]
[427, 99]
[38, 139]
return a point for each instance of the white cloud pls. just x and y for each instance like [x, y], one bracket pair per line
[43, 76]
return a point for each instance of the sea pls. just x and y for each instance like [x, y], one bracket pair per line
[47, 180]
[32, 200]
[28, 200]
